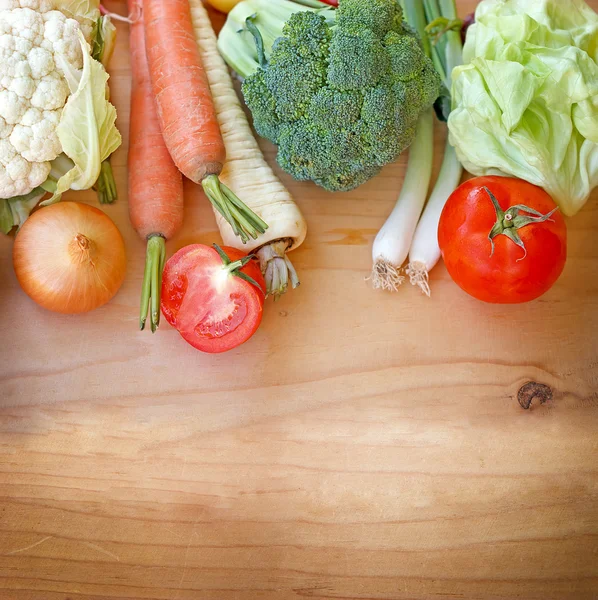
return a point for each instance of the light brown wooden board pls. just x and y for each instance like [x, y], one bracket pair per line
[362, 445]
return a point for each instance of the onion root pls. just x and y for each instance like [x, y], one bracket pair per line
[386, 276]
[418, 276]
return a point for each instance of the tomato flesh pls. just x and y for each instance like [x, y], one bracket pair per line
[212, 309]
[509, 274]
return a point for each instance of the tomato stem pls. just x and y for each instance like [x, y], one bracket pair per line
[152, 281]
[509, 222]
[234, 268]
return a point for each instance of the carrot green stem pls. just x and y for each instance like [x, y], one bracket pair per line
[105, 185]
[152, 281]
[243, 221]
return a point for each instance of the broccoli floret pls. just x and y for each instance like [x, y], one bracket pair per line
[298, 145]
[358, 60]
[292, 94]
[376, 15]
[351, 177]
[379, 115]
[309, 34]
[262, 105]
[429, 84]
[342, 100]
[406, 57]
[310, 152]
[332, 109]
[419, 90]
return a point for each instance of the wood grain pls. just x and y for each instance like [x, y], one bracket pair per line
[361, 446]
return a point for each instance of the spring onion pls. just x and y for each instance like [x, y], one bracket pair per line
[425, 252]
[392, 244]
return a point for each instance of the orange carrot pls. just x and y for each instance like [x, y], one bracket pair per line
[184, 100]
[186, 109]
[155, 183]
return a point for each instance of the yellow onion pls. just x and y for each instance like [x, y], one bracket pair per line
[69, 258]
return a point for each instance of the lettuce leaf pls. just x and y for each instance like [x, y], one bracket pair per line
[88, 10]
[87, 129]
[103, 40]
[525, 103]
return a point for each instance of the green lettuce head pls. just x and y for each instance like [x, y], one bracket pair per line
[525, 103]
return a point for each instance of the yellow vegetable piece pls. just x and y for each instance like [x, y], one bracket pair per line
[224, 6]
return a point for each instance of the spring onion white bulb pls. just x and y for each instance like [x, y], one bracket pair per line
[425, 251]
[393, 241]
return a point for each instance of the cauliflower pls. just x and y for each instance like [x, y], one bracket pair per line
[37, 44]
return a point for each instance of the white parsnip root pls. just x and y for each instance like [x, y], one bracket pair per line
[247, 173]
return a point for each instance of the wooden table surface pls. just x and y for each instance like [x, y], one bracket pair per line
[361, 445]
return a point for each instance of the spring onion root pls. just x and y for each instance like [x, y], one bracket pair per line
[419, 276]
[386, 276]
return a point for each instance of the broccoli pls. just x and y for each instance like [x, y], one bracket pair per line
[341, 92]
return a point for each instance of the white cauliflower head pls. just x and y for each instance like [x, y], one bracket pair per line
[35, 43]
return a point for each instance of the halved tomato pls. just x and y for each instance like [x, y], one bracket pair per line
[213, 297]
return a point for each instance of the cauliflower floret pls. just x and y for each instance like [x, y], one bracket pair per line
[12, 108]
[23, 87]
[35, 41]
[38, 5]
[18, 176]
[37, 139]
[41, 62]
[51, 92]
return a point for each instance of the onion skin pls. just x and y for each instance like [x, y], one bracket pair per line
[69, 258]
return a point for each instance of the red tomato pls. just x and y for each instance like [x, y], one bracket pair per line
[510, 273]
[213, 308]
